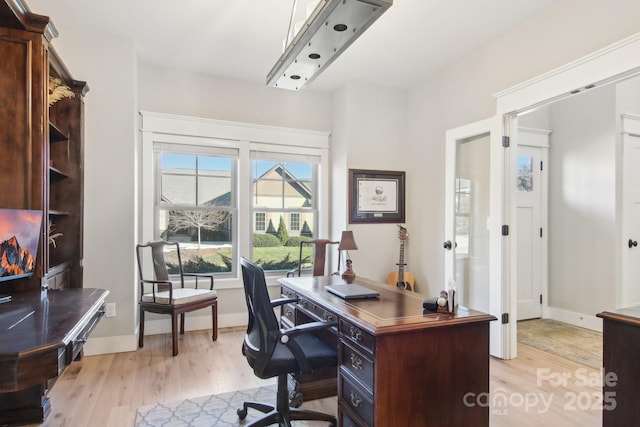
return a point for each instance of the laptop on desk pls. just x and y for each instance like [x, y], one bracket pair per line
[352, 291]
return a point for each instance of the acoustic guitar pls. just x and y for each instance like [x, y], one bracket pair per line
[401, 279]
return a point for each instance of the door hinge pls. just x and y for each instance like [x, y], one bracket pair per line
[540, 298]
[505, 141]
[541, 165]
[540, 231]
[505, 318]
[505, 230]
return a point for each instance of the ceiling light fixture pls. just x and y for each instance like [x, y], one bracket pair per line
[314, 41]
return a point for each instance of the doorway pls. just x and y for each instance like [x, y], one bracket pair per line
[531, 183]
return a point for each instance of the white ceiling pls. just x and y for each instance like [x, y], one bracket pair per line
[242, 39]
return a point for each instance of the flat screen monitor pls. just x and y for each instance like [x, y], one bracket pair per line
[19, 238]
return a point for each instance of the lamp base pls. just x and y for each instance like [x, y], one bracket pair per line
[349, 276]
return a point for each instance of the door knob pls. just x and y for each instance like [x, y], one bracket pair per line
[632, 243]
[447, 245]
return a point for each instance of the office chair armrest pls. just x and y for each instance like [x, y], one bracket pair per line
[203, 275]
[282, 301]
[287, 338]
[159, 282]
[153, 288]
[307, 327]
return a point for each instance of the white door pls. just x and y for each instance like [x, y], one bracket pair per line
[630, 286]
[531, 234]
[473, 211]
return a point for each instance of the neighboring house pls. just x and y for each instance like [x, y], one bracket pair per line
[268, 191]
[278, 186]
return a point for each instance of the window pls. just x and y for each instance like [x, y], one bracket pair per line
[524, 171]
[294, 221]
[261, 221]
[195, 206]
[221, 188]
[286, 192]
[463, 213]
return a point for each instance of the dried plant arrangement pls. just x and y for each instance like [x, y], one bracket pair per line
[52, 234]
[58, 91]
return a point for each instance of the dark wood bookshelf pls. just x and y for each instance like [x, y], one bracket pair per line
[42, 144]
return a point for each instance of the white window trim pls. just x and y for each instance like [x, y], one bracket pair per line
[245, 137]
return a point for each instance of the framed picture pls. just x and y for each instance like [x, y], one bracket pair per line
[376, 196]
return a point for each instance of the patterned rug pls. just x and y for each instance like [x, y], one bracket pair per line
[580, 345]
[218, 410]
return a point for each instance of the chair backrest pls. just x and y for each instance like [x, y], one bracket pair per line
[263, 329]
[157, 248]
[319, 255]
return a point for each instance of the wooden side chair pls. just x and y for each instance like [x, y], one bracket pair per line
[160, 295]
[319, 257]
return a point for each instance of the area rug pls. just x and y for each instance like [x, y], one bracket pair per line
[218, 410]
[580, 345]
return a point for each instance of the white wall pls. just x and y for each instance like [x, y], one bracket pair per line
[193, 94]
[462, 93]
[582, 203]
[110, 162]
[368, 133]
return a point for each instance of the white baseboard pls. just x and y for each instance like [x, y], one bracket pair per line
[194, 323]
[587, 321]
[124, 343]
[106, 345]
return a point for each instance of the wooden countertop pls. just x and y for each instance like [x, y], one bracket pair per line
[628, 315]
[34, 322]
[393, 311]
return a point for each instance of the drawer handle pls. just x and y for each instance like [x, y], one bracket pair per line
[328, 317]
[288, 313]
[356, 334]
[356, 402]
[356, 362]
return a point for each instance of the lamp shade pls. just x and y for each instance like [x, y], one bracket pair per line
[347, 243]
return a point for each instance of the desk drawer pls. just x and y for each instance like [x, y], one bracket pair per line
[356, 364]
[289, 313]
[74, 348]
[357, 336]
[357, 400]
[347, 421]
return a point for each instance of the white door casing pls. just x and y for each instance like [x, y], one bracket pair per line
[488, 134]
[531, 235]
[615, 62]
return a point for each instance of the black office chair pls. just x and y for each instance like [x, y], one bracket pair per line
[274, 352]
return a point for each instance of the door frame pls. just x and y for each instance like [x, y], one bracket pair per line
[616, 62]
[499, 295]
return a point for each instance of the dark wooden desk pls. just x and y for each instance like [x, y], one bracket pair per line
[621, 347]
[40, 334]
[397, 365]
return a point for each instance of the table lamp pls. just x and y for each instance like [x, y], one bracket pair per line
[347, 243]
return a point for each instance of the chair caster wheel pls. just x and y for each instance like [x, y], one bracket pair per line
[295, 399]
[242, 413]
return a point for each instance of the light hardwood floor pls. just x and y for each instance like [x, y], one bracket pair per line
[536, 389]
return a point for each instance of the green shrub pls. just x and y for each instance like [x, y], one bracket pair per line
[282, 233]
[199, 265]
[285, 264]
[295, 240]
[261, 240]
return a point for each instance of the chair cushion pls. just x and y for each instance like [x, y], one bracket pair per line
[180, 296]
